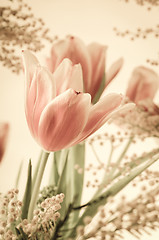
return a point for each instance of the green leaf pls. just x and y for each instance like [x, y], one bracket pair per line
[76, 157]
[138, 161]
[17, 231]
[24, 236]
[72, 184]
[70, 181]
[27, 194]
[35, 192]
[20, 234]
[18, 175]
[100, 90]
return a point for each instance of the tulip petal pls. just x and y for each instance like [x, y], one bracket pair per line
[68, 76]
[40, 90]
[97, 54]
[113, 70]
[40, 93]
[63, 120]
[123, 110]
[30, 63]
[4, 130]
[74, 49]
[59, 51]
[99, 114]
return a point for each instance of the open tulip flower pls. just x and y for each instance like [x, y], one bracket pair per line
[58, 113]
[4, 129]
[143, 84]
[92, 60]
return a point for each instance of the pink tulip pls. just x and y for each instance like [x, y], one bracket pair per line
[143, 84]
[4, 129]
[59, 115]
[91, 58]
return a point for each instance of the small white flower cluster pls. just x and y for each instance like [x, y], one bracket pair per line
[136, 216]
[44, 219]
[42, 224]
[10, 212]
[142, 121]
[20, 28]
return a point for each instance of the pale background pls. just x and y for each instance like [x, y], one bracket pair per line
[91, 20]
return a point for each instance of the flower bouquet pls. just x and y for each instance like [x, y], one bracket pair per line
[65, 104]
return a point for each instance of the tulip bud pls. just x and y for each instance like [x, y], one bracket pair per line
[4, 128]
[143, 84]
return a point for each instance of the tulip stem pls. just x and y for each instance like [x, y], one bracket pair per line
[38, 180]
[96, 155]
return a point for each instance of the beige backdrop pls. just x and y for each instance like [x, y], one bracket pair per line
[91, 20]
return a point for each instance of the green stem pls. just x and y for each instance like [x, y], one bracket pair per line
[120, 158]
[136, 162]
[37, 168]
[61, 161]
[94, 151]
[110, 156]
[35, 192]
[108, 177]
[54, 175]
